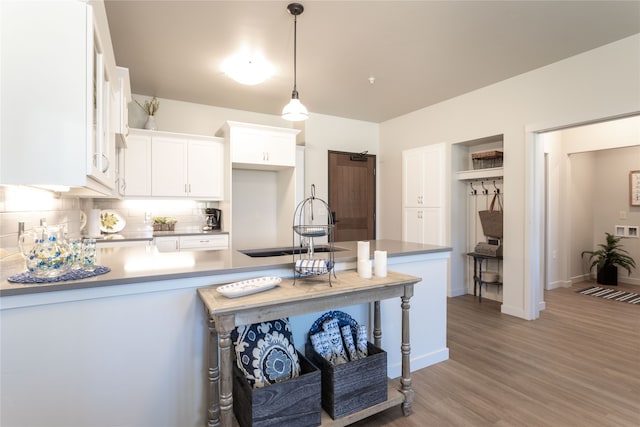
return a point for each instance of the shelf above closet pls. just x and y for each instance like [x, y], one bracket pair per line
[480, 174]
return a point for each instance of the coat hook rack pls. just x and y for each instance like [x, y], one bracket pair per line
[484, 189]
[473, 190]
[497, 190]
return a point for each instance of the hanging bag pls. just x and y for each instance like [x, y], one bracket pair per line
[491, 219]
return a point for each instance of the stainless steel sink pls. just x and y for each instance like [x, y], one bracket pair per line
[257, 253]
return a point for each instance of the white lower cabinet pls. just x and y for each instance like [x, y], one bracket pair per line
[192, 243]
[120, 244]
[167, 244]
[204, 242]
[423, 225]
[174, 165]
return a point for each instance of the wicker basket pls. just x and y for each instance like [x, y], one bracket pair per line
[487, 159]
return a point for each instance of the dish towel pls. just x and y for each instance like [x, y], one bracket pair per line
[312, 266]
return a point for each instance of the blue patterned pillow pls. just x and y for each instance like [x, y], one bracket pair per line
[265, 352]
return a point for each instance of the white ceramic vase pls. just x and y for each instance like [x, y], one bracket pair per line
[151, 123]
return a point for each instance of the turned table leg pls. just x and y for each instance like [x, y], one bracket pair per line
[377, 325]
[213, 409]
[405, 381]
[226, 384]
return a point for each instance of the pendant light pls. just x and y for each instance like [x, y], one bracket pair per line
[294, 110]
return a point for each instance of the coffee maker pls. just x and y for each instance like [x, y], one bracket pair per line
[213, 218]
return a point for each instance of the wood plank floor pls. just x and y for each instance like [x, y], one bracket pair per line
[578, 365]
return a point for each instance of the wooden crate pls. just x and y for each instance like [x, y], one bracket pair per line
[353, 386]
[291, 403]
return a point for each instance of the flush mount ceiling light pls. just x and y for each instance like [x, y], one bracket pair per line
[247, 69]
[294, 110]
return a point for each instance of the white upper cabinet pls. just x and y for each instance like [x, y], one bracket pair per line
[423, 176]
[205, 171]
[166, 164]
[137, 165]
[260, 147]
[58, 79]
[423, 171]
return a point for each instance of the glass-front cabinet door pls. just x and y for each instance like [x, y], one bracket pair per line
[101, 137]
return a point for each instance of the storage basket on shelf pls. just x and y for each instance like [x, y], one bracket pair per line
[487, 159]
[352, 386]
[307, 226]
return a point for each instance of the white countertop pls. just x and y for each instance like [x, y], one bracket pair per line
[145, 264]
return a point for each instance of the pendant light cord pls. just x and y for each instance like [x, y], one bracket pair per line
[295, 60]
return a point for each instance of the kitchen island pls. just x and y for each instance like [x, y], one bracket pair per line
[127, 348]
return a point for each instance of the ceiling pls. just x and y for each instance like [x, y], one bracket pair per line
[420, 52]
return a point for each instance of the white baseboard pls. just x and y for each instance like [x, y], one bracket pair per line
[559, 284]
[582, 278]
[419, 362]
[456, 292]
[513, 311]
[628, 280]
[622, 279]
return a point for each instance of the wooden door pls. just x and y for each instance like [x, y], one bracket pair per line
[352, 195]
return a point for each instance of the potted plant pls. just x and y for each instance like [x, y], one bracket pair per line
[608, 258]
[151, 108]
[159, 222]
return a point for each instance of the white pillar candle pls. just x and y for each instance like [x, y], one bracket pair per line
[364, 269]
[380, 263]
[93, 223]
[363, 251]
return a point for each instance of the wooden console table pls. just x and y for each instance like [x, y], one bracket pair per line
[306, 296]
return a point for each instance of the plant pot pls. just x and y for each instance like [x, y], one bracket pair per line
[608, 275]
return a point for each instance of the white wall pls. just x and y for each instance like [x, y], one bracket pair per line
[603, 82]
[254, 209]
[324, 133]
[199, 119]
[580, 190]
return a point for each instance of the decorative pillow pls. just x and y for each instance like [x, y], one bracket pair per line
[265, 352]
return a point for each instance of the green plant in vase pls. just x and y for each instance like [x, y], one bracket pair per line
[159, 222]
[150, 107]
[608, 258]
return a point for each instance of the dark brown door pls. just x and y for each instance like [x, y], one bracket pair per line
[352, 195]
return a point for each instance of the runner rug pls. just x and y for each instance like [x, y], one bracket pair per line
[614, 294]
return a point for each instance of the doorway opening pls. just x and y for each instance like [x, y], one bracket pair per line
[352, 195]
[560, 189]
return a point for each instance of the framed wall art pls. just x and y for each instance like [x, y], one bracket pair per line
[634, 188]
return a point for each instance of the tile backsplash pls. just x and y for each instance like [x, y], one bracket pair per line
[30, 205]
